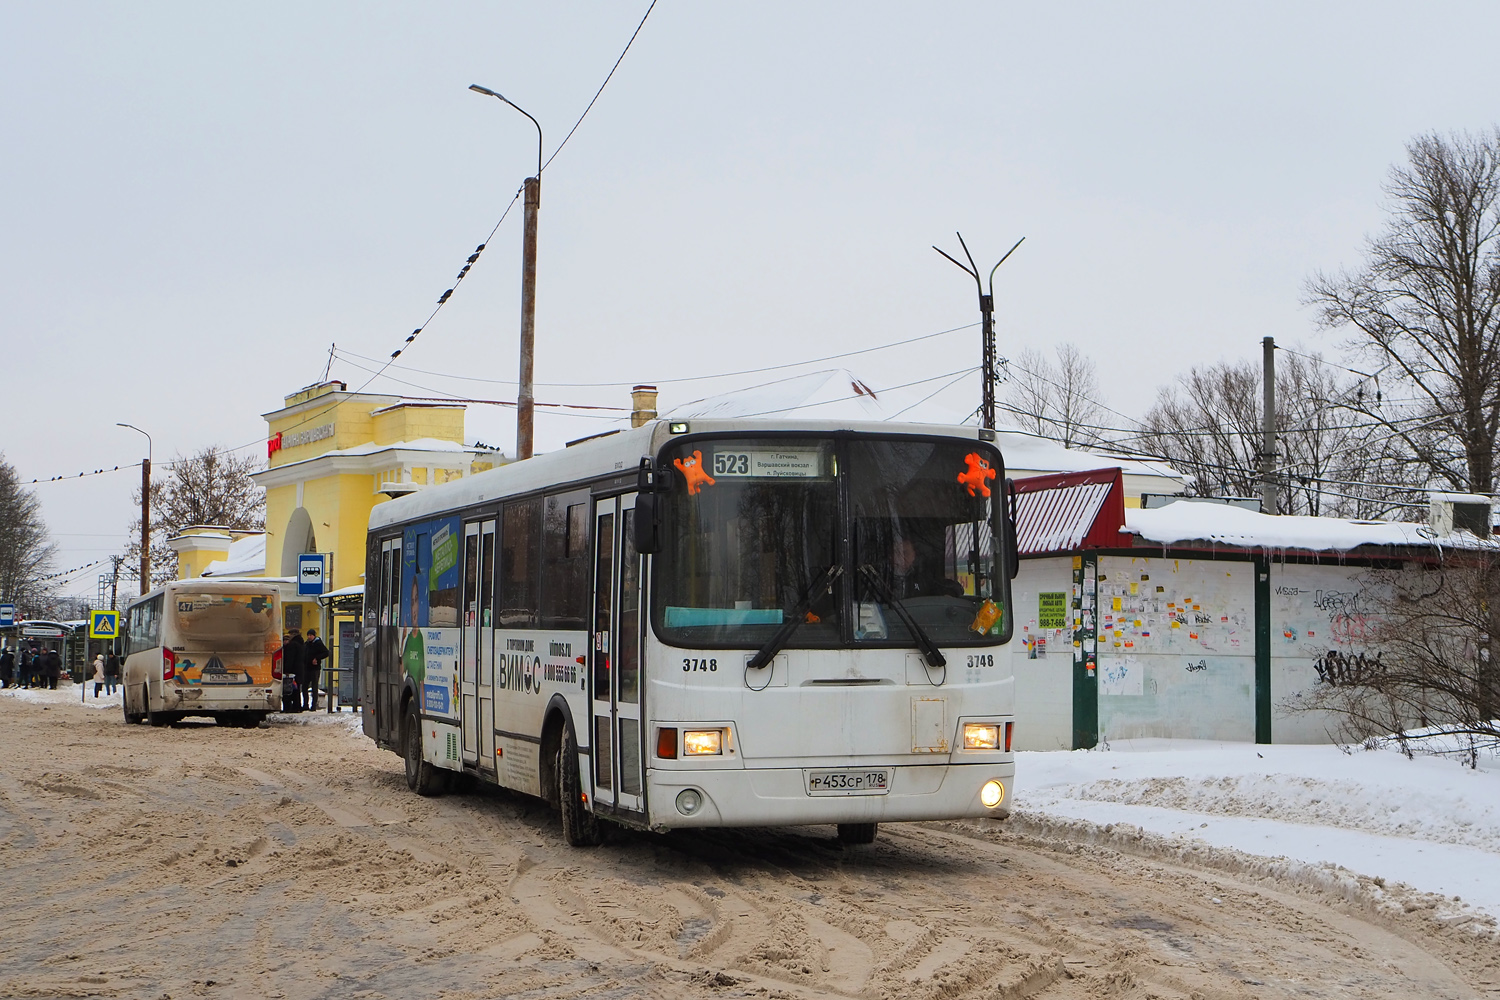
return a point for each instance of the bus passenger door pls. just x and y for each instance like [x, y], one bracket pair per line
[486, 651]
[468, 676]
[615, 681]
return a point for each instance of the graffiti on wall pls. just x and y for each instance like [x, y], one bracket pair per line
[1334, 625]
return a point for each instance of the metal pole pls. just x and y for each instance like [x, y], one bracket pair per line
[525, 398]
[145, 525]
[1268, 427]
[987, 313]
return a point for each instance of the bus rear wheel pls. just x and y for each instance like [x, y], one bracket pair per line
[131, 718]
[580, 827]
[421, 776]
[853, 834]
[152, 718]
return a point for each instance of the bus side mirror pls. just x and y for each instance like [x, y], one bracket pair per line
[1012, 541]
[643, 525]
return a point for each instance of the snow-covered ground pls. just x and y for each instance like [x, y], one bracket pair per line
[1428, 822]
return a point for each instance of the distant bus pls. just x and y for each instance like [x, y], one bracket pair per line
[203, 647]
[728, 623]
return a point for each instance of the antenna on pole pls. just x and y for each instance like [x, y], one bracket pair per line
[987, 316]
[329, 367]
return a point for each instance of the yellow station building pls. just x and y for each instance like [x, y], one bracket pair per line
[332, 455]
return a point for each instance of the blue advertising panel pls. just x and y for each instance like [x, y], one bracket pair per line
[429, 611]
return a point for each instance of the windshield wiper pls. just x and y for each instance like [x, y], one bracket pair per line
[794, 617]
[935, 656]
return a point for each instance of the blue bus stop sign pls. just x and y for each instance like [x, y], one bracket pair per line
[310, 573]
[7, 615]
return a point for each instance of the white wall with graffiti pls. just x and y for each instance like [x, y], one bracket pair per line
[1042, 654]
[1176, 648]
[1323, 621]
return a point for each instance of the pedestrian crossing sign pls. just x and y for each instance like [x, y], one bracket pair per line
[104, 624]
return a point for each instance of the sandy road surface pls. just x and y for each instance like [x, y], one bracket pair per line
[291, 861]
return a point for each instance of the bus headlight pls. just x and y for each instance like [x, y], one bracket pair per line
[991, 794]
[981, 736]
[688, 801]
[703, 742]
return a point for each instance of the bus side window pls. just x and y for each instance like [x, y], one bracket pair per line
[520, 564]
[565, 588]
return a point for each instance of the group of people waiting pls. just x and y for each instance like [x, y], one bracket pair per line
[33, 668]
[106, 673]
[301, 665]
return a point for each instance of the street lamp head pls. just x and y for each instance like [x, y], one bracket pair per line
[499, 96]
[484, 90]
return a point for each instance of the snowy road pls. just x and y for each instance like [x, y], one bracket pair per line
[291, 861]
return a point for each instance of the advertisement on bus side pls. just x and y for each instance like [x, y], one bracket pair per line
[430, 635]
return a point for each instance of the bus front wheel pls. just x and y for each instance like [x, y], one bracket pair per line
[421, 776]
[580, 827]
[857, 833]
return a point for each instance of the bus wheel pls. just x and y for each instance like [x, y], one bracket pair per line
[131, 718]
[152, 718]
[580, 827]
[421, 776]
[857, 833]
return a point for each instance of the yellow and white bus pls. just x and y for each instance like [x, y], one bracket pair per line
[722, 623]
[203, 647]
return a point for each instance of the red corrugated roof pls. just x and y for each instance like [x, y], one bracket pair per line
[1070, 511]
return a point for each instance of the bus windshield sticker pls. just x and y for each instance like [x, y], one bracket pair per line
[974, 479]
[692, 471]
[988, 617]
[768, 463]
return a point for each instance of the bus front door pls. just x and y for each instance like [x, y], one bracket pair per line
[615, 682]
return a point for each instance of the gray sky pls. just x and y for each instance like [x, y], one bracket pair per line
[199, 199]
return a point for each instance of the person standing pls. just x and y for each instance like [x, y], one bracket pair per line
[293, 664]
[7, 668]
[315, 652]
[98, 677]
[34, 669]
[52, 664]
[111, 673]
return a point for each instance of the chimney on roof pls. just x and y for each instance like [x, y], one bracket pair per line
[1450, 512]
[643, 405]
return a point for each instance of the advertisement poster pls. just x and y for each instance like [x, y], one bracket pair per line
[429, 612]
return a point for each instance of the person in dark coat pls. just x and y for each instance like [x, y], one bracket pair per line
[315, 652]
[293, 665]
[111, 672]
[34, 668]
[7, 668]
[52, 665]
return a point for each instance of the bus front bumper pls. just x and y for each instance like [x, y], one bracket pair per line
[780, 796]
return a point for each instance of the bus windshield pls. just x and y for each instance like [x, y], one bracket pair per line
[751, 525]
[226, 622]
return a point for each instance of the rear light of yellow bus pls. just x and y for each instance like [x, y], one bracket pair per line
[276, 664]
[168, 664]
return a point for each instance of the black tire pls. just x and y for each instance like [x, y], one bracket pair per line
[854, 834]
[152, 718]
[421, 776]
[580, 827]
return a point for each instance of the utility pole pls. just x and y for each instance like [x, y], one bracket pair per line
[987, 326]
[526, 396]
[114, 586]
[1268, 502]
[145, 509]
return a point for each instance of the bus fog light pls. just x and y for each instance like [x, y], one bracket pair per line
[688, 801]
[702, 742]
[991, 794]
[981, 736]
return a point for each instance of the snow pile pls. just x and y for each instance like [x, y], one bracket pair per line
[1428, 823]
[1187, 521]
[67, 693]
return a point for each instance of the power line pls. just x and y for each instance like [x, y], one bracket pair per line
[616, 66]
[347, 354]
[80, 475]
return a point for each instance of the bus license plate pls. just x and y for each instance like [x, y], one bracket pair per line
[863, 781]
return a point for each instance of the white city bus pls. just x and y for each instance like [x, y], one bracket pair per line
[203, 647]
[728, 623]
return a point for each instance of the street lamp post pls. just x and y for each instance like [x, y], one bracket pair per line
[145, 510]
[525, 395]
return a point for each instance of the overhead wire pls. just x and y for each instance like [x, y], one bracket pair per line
[609, 77]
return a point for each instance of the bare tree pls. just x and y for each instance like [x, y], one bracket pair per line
[1331, 458]
[25, 551]
[212, 487]
[1055, 400]
[1426, 306]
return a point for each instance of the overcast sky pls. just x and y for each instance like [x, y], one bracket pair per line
[199, 199]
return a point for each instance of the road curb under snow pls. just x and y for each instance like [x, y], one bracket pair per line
[1395, 903]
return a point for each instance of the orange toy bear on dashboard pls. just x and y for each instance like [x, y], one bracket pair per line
[974, 479]
[692, 471]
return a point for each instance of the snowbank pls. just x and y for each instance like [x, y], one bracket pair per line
[1429, 822]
